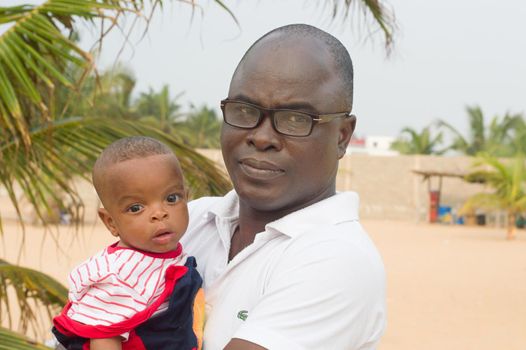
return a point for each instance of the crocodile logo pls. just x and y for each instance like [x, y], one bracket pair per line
[242, 315]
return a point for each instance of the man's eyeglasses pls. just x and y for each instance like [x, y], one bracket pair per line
[285, 121]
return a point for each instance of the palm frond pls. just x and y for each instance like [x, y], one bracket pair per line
[418, 142]
[481, 200]
[32, 53]
[13, 341]
[33, 290]
[477, 129]
[383, 16]
[459, 141]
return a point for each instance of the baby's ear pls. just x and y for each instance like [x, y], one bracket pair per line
[108, 221]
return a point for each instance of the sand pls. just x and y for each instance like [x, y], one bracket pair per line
[449, 287]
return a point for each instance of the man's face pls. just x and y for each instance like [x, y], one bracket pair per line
[274, 172]
[145, 203]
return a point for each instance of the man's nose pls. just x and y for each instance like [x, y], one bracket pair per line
[264, 136]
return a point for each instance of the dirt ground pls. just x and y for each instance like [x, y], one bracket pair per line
[449, 287]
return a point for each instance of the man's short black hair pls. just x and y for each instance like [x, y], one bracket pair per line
[340, 55]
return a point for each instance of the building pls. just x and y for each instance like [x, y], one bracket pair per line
[372, 145]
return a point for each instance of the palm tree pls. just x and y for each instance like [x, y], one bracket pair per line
[160, 107]
[417, 143]
[494, 139]
[43, 145]
[518, 139]
[108, 95]
[508, 180]
[203, 127]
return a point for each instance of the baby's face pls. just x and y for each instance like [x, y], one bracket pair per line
[145, 203]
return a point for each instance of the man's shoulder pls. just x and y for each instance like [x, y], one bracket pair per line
[336, 239]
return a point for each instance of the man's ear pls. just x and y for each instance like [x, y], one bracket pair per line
[108, 221]
[346, 130]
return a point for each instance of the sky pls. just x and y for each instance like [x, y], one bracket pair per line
[447, 55]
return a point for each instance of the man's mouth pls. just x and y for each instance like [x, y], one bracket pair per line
[260, 169]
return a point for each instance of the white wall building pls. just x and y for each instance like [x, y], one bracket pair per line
[372, 145]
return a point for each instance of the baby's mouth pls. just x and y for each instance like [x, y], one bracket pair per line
[163, 236]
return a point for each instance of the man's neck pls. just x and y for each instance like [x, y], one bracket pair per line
[250, 223]
[253, 221]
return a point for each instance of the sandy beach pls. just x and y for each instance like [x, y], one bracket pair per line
[449, 287]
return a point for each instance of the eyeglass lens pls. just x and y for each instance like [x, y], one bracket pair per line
[285, 122]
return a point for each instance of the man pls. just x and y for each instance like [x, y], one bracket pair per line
[285, 262]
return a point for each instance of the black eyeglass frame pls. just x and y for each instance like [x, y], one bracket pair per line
[316, 118]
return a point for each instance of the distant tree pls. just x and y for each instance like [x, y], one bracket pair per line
[518, 139]
[107, 95]
[508, 181]
[412, 142]
[202, 128]
[159, 107]
[495, 139]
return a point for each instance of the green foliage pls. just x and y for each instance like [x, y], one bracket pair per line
[203, 128]
[412, 142]
[12, 341]
[159, 107]
[503, 137]
[508, 182]
[33, 290]
[382, 16]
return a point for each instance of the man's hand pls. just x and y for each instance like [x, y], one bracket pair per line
[239, 344]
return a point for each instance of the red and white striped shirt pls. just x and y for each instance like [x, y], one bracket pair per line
[117, 283]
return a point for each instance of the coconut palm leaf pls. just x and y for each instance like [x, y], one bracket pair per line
[12, 341]
[383, 17]
[32, 53]
[33, 290]
[418, 142]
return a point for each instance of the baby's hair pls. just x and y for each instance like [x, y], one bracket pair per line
[127, 148]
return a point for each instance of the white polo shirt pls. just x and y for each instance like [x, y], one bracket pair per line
[312, 280]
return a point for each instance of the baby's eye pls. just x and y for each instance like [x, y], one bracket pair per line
[172, 198]
[135, 208]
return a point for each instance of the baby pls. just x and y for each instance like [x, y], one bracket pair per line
[141, 292]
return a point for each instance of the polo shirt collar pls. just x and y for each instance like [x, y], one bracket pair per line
[341, 207]
[227, 208]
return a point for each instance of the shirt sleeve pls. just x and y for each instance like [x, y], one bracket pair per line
[324, 295]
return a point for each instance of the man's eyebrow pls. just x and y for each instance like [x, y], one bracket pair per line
[303, 106]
